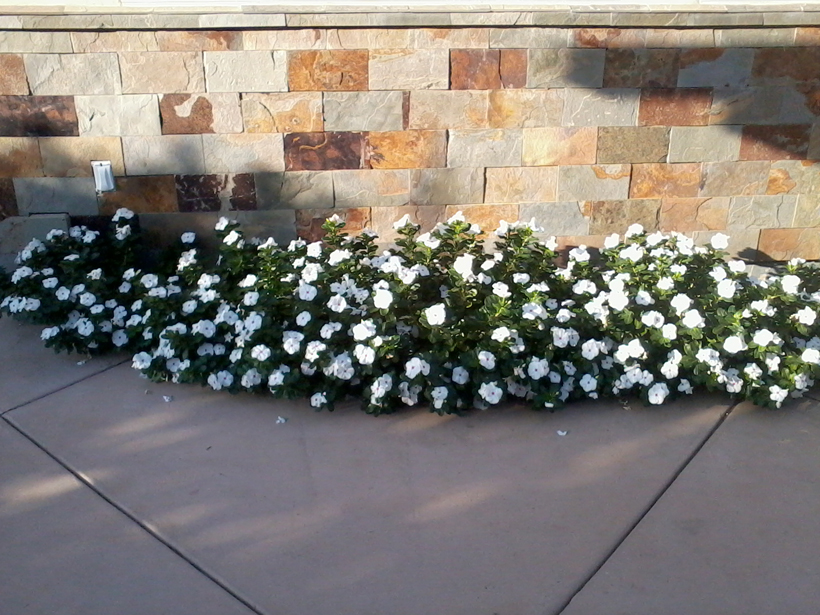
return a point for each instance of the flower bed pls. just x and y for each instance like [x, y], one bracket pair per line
[436, 321]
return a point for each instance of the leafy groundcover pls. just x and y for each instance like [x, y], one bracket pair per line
[439, 320]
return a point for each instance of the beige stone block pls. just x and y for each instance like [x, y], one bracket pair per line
[484, 148]
[748, 212]
[694, 214]
[35, 42]
[269, 40]
[704, 143]
[65, 74]
[674, 39]
[369, 39]
[602, 182]
[453, 110]
[20, 157]
[446, 186]
[794, 177]
[362, 111]
[13, 79]
[559, 146]
[619, 144]
[72, 156]
[529, 38]
[521, 185]
[807, 213]
[164, 155]
[162, 72]
[601, 107]
[525, 108]
[743, 243]
[409, 69]
[245, 153]
[246, 71]
[295, 190]
[564, 218]
[786, 244]
[126, 115]
[450, 38]
[735, 178]
[371, 188]
[199, 40]
[755, 37]
[607, 217]
[283, 112]
[96, 42]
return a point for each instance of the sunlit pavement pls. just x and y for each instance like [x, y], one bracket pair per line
[118, 495]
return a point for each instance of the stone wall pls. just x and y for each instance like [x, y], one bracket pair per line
[587, 130]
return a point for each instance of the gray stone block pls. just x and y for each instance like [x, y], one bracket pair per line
[447, 186]
[246, 71]
[563, 218]
[72, 74]
[373, 111]
[601, 107]
[17, 231]
[704, 143]
[762, 211]
[601, 182]
[371, 188]
[129, 115]
[718, 68]
[484, 148]
[565, 68]
[71, 195]
[165, 155]
[294, 190]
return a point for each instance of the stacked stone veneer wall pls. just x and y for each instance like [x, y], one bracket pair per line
[586, 130]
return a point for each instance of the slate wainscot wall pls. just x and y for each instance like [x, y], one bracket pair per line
[585, 129]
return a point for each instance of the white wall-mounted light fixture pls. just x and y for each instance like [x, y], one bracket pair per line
[103, 176]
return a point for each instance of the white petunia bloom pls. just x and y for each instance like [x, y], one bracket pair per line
[611, 241]
[633, 230]
[306, 292]
[435, 314]
[718, 274]
[737, 266]
[692, 320]
[416, 366]
[337, 304]
[463, 265]
[753, 371]
[460, 375]
[119, 338]
[260, 352]
[790, 284]
[250, 298]
[382, 298]
[364, 354]
[777, 394]
[532, 311]
[317, 400]
[666, 283]
[500, 334]
[589, 383]
[363, 330]
[303, 318]
[329, 329]
[188, 237]
[579, 254]
[251, 378]
[141, 360]
[189, 306]
[338, 256]
[810, 355]
[680, 303]
[501, 290]
[490, 392]
[633, 253]
[727, 288]
[521, 278]
[643, 298]
[402, 222]
[720, 241]
[657, 393]
[806, 316]
[763, 337]
[486, 359]
[652, 318]
[291, 341]
[734, 344]
[149, 280]
[204, 327]
[590, 349]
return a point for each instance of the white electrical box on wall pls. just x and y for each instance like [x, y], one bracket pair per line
[103, 176]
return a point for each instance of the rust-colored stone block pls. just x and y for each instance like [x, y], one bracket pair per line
[656, 181]
[13, 75]
[675, 107]
[621, 144]
[786, 66]
[606, 217]
[513, 68]
[559, 146]
[600, 38]
[641, 68]
[322, 151]
[406, 149]
[20, 157]
[309, 221]
[184, 114]
[695, 214]
[334, 70]
[142, 195]
[199, 40]
[38, 116]
[783, 244]
[231, 192]
[487, 217]
[8, 201]
[475, 69]
[775, 142]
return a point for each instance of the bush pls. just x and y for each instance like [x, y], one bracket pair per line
[435, 321]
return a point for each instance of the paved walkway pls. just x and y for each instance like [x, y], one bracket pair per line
[121, 496]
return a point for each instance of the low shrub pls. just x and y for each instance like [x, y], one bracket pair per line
[438, 320]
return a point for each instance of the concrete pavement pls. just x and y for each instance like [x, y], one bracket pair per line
[116, 500]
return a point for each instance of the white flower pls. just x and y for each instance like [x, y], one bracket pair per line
[122, 213]
[364, 354]
[617, 301]
[777, 394]
[727, 288]
[790, 284]
[531, 311]
[233, 238]
[692, 320]
[464, 266]
[402, 222]
[50, 282]
[579, 254]
[521, 278]
[460, 375]
[189, 306]
[501, 290]
[260, 352]
[734, 344]
[500, 334]
[633, 253]
[188, 237]
[429, 241]
[382, 298]
[337, 304]
[652, 319]
[753, 371]
[291, 341]
[220, 379]
[810, 355]
[763, 337]
[685, 387]
[590, 349]
[435, 314]
[119, 338]
[141, 360]
[416, 366]
[611, 241]
[657, 393]
[486, 359]
[122, 232]
[737, 266]
[363, 330]
[538, 368]
[589, 383]
[49, 332]
[633, 230]
[251, 298]
[670, 370]
[338, 256]
[806, 316]
[303, 318]
[584, 286]
[666, 283]
[329, 329]
[720, 241]
[681, 303]
[439, 394]
[643, 298]
[205, 327]
[490, 393]
[718, 274]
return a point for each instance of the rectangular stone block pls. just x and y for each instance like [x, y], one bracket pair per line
[608, 182]
[8, 200]
[13, 75]
[484, 148]
[694, 214]
[513, 68]
[406, 149]
[115, 116]
[141, 195]
[269, 40]
[734, 178]
[164, 155]
[565, 68]
[475, 69]
[20, 157]
[765, 105]
[324, 151]
[72, 74]
[446, 186]
[149, 72]
[704, 143]
[559, 146]
[408, 69]
[719, 68]
[521, 185]
[786, 66]
[72, 156]
[604, 38]
[245, 153]
[761, 211]
[450, 38]
[328, 70]
[775, 142]
[283, 112]
[372, 38]
[786, 244]
[675, 107]
[53, 195]
[199, 40]
[32, 116]
[617, 144]
[295, 190]
[641, 68]
[668, 38]
[350, 111]
[371, 188]
[793, 177]
[605, 107]
[608, 217]
[757, 37]
[230, 71]
[656, 181]
[487, 217]
[563, 218]
[449, 110]
[309, 221]
[35, 42]
[200, 113]
[528, 38]
[216, 192]
[99, 42]
[525, 108]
